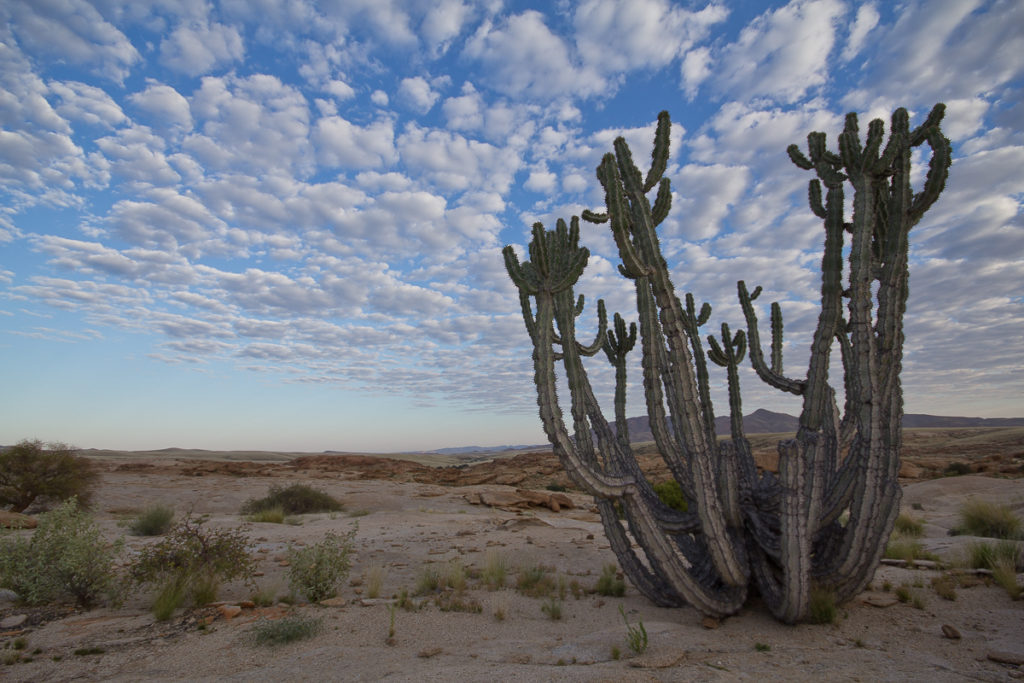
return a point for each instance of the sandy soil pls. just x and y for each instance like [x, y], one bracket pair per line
[403, 526]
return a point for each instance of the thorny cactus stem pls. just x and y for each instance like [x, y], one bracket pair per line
[782, 533]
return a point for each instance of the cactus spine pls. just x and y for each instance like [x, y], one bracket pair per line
[780, 533]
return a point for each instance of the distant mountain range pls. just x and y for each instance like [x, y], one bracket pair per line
[768, 422]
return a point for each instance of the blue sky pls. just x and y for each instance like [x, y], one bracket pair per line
[277, 224]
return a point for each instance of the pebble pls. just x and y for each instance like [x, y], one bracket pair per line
[950, 632]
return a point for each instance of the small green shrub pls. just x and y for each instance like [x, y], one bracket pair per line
[315, 571]
[909, 550]
[671, 494]
[374, 580]
[495, 571]
[823, 608]
[610, 583]
[295, 499]
[194, 560]
[34, 472]
[944, 586]
[983, 518]
[903, 593]
[982, 555]
[1004, 573]
[909, 527]
[762, 647]
[66, 556]
[287, 630]
[170, 597]
[534, 581]
[553, 608]
[153, 521]
[274, 515]
[636, 635]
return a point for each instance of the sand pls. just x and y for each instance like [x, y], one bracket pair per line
[405, 526]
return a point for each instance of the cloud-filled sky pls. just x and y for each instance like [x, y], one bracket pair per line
[277, 224]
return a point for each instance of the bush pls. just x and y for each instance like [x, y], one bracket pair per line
[316, 571]
[66, 556]
[193, 561]
[671, 494]
[297, 499]
[154, 521]
[287, 630]
[982, 555]
[983, 518]
[32, 472]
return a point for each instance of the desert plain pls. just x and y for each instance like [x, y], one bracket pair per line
[416, 512]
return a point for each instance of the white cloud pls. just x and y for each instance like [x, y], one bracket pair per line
[379, 97]
[466, 111]
[444, 22]
[340, 143]
[340, 90]
[417, 93]
[867, 18]
[87, 103]
[541, 179]
[164, 105]
[695, 69]
[453, 162]
[200, 49]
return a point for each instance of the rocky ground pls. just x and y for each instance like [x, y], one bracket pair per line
[412, 516]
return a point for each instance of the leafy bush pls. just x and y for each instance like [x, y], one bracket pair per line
[34, 472]
[296, 499]
[316, 571]
[65, 556]
[287, 630]
[984, 518]
[671, 494]
[193, 561]
[610, 583]
[153, 521]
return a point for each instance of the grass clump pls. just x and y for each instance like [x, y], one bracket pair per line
[295, 499]
[65, 557]
[1005, 574]
[553, 608]
[909, 527]
[534, 581]
[907, 549]
[155, 520]
[984, 518]
[436, 578]
[316, 571]
[495, 572]
[374, 580]
[636, 634]
[610, 583]
[671, 494]
[287, 630]
[823, 608]
[945, 586]
[192, 561]
[274, 515]
[982, 555]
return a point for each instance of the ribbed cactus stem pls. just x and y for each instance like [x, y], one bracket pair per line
[778, 532]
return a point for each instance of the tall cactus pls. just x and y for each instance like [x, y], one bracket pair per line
[823, 520]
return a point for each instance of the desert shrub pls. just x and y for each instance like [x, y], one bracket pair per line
[287, 630]
[315, 571]
[66, 556]
[610, 583]
[983, 518]
[944, 586]
[1004, 573]
[956, 469]
[192, 561]
[495, 571]
[434, 578]
[908, 526]
[296, 499]
[553, 608]
[671, 494]
[636, 634]
[823, 609]
[374, 580]
[982, 555]
[34, 472]
[534, 581]
[907, 549]
[153, 521]
[274, 515]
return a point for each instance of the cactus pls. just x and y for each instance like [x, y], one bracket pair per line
[781, 535]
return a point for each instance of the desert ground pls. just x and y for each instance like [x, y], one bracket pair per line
[411, 515]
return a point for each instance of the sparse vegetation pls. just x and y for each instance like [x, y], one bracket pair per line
[374, 580]
[671, 494]
[610, 583]
[984, 518]
[1004, 573]
[192, 561]
[956, 469]
[534, 581]
[286, 630]
[155, 520]
[274, 515]
[295, 499]
[32, 472]
[636, 634]
[495, 571]
[65, 557]
[907, 549]
[315, 571]
[909, 527]
[987, 555]
[552, 607]
[945, 586]
[903, 593]
[823, 608]
[762, 647]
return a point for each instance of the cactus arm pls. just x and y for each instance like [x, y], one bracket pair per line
[767, 375]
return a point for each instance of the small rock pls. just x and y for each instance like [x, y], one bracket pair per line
[950, 632]
[879, 599]
[1006, 657]
[334, 602]
[229, 612]
[429, 652]
[710, 623]
[257, 573]
[13, 621]
[660, 660]
[246, 604]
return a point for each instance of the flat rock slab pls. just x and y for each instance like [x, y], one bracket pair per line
[16, 520]
[14, 621]
[1006, 657]
[879, 599]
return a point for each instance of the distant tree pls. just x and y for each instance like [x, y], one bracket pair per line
[32, 471]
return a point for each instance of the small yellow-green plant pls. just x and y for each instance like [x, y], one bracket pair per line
[1004, 573]
[984, 518]
[984, 555]
[907, 549]
[535, 581]
[909, 527]
[610, 583]
[944, 586]
[495, 571]
[316, 571]
[823, 608]
[552, 607]
[155, 520]
[274, 515]
[671, 494]
[636, 634]
[374, 581]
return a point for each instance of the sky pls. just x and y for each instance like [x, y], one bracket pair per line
[277, 224]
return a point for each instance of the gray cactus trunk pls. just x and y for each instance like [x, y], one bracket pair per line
[821, 522]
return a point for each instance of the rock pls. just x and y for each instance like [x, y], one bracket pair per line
[1006, 657]
[16, 520]
[710, 623]
[429, 652]
[879, 599]
[13, 621]
[950, 632]
[229, 612]
[246, 604]
[658, 660]
[910, 471]
[334, 602]
[520, 499]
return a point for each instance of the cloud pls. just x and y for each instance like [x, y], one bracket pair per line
[443, 23]
[164, 105]
[867, 18]
[340, 143]
[418, 94]
[453, 162]
[87, 103]
[200, 49]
